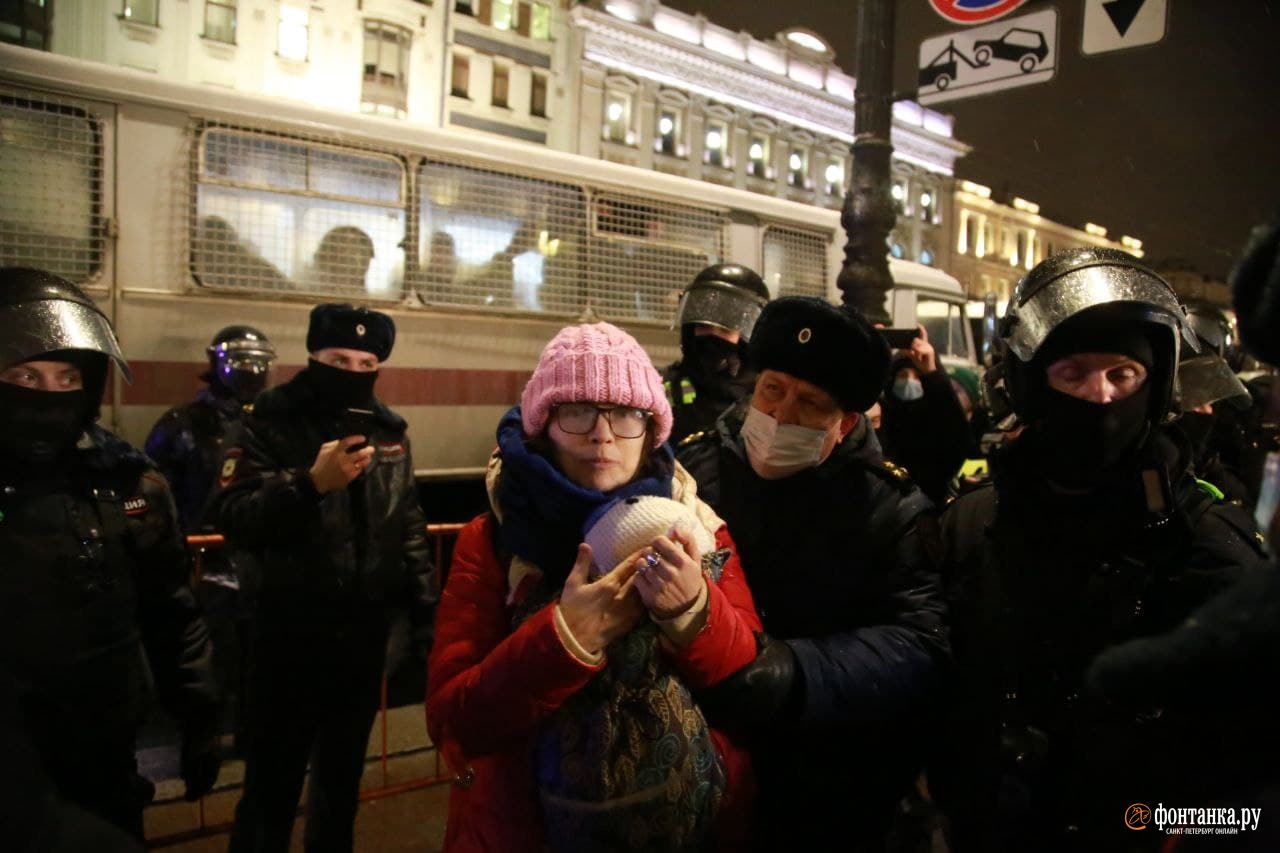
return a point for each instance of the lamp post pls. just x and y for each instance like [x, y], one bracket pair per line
[868, 214]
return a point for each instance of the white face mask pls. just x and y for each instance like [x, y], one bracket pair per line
[907, 390]
[780, 450]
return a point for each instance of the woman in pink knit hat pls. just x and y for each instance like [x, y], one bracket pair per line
[560, 686]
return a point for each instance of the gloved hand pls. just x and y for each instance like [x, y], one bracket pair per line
[201, 758]
[757, 696]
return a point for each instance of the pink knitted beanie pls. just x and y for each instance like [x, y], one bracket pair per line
[596, 363]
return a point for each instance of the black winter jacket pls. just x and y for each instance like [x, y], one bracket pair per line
[837, 562]
[319, 557]
[1039, 583]
[187, 446]
[92, 573]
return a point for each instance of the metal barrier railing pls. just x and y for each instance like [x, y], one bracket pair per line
[440, 536]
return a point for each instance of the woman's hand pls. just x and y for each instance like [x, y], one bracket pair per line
[668, 574]
[600, 611]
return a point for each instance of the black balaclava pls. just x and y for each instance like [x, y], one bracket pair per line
[336, 389]
[1199, 430]
[713, 364]
[39, 427]
[1081, 442]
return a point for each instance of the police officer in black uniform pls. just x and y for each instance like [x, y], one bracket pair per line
[1094, 532]
[716, 315]
[187, 445]
[186, 442]
[320, 488]
[94, 601]
[830, 537]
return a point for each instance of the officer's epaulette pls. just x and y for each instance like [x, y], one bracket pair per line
[694, 437]
[891, 471]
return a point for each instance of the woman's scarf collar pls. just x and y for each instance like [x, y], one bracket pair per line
[541, 511]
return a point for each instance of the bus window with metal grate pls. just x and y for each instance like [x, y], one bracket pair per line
[795, 261]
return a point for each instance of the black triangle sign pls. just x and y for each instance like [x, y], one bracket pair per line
[1122, 13]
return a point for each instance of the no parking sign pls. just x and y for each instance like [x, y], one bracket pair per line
[974, 11]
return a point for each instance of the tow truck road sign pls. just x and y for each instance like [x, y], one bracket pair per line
[1012, 52]
[1120, 24]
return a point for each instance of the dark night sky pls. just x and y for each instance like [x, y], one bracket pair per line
[1176, 143]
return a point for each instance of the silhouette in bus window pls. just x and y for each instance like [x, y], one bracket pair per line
[221, 259]
[440, 270]
[341, 261]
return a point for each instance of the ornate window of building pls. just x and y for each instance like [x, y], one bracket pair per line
[798, 166]
[293, 32]
[671, 124]
[833, 177]
[504, 15]
[220, 20]
[538, 95]
[928, 204]
[533, 20]
[501, 85]
[460, 75]
[26, 24]
[145, 12]
[619, 111]
[715, 151]
[760, 148]
[386, 69]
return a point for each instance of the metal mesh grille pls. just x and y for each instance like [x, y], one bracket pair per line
[280, 215]
[522, 243]
[51, 158]
[795, 261]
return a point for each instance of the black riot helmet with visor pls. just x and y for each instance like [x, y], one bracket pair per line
[240, 360]
[1095, 288]
[44, 317]
[726, 296]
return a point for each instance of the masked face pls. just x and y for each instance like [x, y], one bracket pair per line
[908, 389]
[1084, 440]
[43, 410]
[338, 388]
[244, 377]
[791, 425]
[712, 358]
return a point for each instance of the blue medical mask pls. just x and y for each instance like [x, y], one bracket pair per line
[908, 389]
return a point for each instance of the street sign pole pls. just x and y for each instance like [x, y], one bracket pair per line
[868, 214]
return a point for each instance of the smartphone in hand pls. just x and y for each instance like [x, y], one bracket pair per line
[355, 422]
[900, 338]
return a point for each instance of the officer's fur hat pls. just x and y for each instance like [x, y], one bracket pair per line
[834, 348]
[348, 327]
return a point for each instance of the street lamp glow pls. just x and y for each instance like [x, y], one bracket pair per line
[666, 125]
[835, 173]
[898, 192]
[796, 162]
[756, 152]
[615, 111]
[925, 199]
[713, 139]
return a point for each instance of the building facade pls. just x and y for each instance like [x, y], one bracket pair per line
[996, 243]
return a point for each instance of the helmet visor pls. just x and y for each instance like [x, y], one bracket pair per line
[1208, 379]
[720, 305]
[31, 329]
[1028, 324]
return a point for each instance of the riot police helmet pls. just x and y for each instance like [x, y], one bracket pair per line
[43, 314]
[1089, 294]
[240, 358]
[725, 296]
[1212, 328]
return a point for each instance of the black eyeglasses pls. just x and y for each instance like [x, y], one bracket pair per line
[580, 419]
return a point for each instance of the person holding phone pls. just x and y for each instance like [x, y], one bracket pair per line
[319, 486]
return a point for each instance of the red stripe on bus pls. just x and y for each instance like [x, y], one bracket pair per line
[168, 383]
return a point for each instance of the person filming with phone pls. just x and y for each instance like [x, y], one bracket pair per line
[319, 485]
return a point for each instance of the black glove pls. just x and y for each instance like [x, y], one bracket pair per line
[761, 694]
[201, 758]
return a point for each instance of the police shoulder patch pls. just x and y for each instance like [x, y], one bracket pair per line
[136, 505]
[229, 463]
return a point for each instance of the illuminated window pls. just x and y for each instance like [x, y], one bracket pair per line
[928, 202]
[26, 23]
[220, 21]
[386, 69]
[895, 249]
[538, 95]
[540, 25]
[798, 168]
[758, 156]
[293, 33]
[501, 85]
[617, 118]
[460, 80]
[834, 177]
[899, 193]
[504, 14]
[926, 257]
[670, 132]
[970, 235]
[141, 12]
[716, 151]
